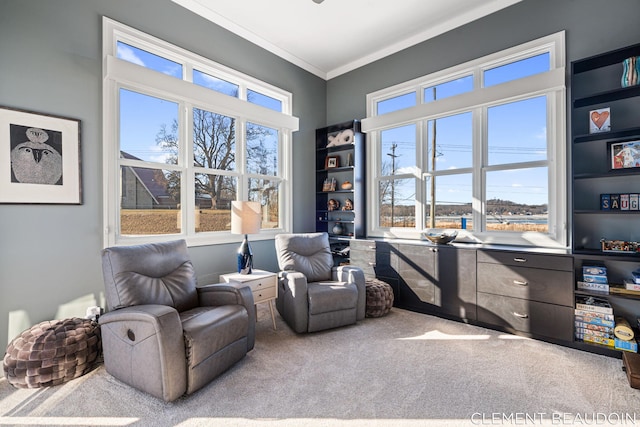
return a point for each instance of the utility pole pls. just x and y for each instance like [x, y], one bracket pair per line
[432, 206]
[393, 181]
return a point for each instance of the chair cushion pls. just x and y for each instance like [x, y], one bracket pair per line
[329, 296]
[307, 253]
[210, 329]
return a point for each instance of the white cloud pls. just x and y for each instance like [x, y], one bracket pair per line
[126, 53]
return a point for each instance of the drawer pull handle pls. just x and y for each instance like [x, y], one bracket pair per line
[522, 316]
[520, 259]
[372, 264]
[520, 282]
[372, 247]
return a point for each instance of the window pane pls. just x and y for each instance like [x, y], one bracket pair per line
[148, 128]
[517, 132]
[149, 201]
[452, 195]
[453, 140]
[214, 83]
[447, 89]
[148, 60]
[214, 194]
[517, 70]
[266, 192]
[264, 100]
[518, 200]
[214, 140]
[397, 103]
[262, 150]
[398, 150]
[397, 202]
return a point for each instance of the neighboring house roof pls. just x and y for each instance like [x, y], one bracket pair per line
[153, 180]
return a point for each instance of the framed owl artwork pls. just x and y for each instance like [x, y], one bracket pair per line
[39, 158]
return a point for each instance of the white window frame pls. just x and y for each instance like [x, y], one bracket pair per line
[550, 84]
[120, 74]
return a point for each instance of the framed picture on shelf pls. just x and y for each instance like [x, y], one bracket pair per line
[625, 155]
[600, 120]
[42, 153]
[332, 162]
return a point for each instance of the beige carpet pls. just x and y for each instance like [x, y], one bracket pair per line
[405, 369]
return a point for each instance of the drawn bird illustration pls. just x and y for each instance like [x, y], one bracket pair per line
[34, 161]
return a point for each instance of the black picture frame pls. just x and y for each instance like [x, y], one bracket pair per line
[42, 151]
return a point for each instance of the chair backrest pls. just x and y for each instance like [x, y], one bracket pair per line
[308, 253]
[155, 273]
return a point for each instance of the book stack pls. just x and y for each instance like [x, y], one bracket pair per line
[594, 278]
[594, 321]
[629, 286]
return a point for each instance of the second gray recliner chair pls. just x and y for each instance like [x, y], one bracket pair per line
[313, 294]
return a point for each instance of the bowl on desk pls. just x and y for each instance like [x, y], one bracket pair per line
[439, 236]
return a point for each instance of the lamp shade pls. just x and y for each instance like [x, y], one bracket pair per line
[246, 217]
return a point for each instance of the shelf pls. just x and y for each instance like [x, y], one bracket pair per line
[340, 169]
[604, 212]
[604, 59]
[341, 221]
[614, 173]
[335, 149]
[334, 211]
[598, 252]
[336, 191]
[608, 96]
[608, 136]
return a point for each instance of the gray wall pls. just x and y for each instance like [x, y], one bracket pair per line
[50, 62]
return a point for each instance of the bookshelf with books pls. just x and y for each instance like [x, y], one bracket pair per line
[605, 208]
[340, 192]
[604, 122]
[607, 300]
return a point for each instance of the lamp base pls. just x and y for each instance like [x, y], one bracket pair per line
[245, 257]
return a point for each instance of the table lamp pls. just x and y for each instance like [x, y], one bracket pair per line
[246, 218]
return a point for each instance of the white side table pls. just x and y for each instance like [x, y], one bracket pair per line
[263, 284]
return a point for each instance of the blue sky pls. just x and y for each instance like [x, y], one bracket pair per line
[517, 133]
[142, 116]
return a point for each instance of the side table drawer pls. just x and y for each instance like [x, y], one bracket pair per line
[261, 283]
[264, 294]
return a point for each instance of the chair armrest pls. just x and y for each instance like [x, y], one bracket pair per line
[229, 294]
[144, 346]
[293, 299]
[294, 281]
[353, 274]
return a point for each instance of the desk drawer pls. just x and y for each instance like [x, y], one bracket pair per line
[549, 320]
[550, 286]
[524, 259]
[261, 283]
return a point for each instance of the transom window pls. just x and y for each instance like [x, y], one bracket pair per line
[183, 138]
[479, 147]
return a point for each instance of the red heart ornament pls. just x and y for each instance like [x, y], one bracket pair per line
[599, 118]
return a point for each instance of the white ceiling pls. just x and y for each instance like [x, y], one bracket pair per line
[337, 36]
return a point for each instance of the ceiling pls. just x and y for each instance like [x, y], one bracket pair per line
[337, 36]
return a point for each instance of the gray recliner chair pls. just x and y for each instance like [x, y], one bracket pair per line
[163, 334]
[313, 294]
